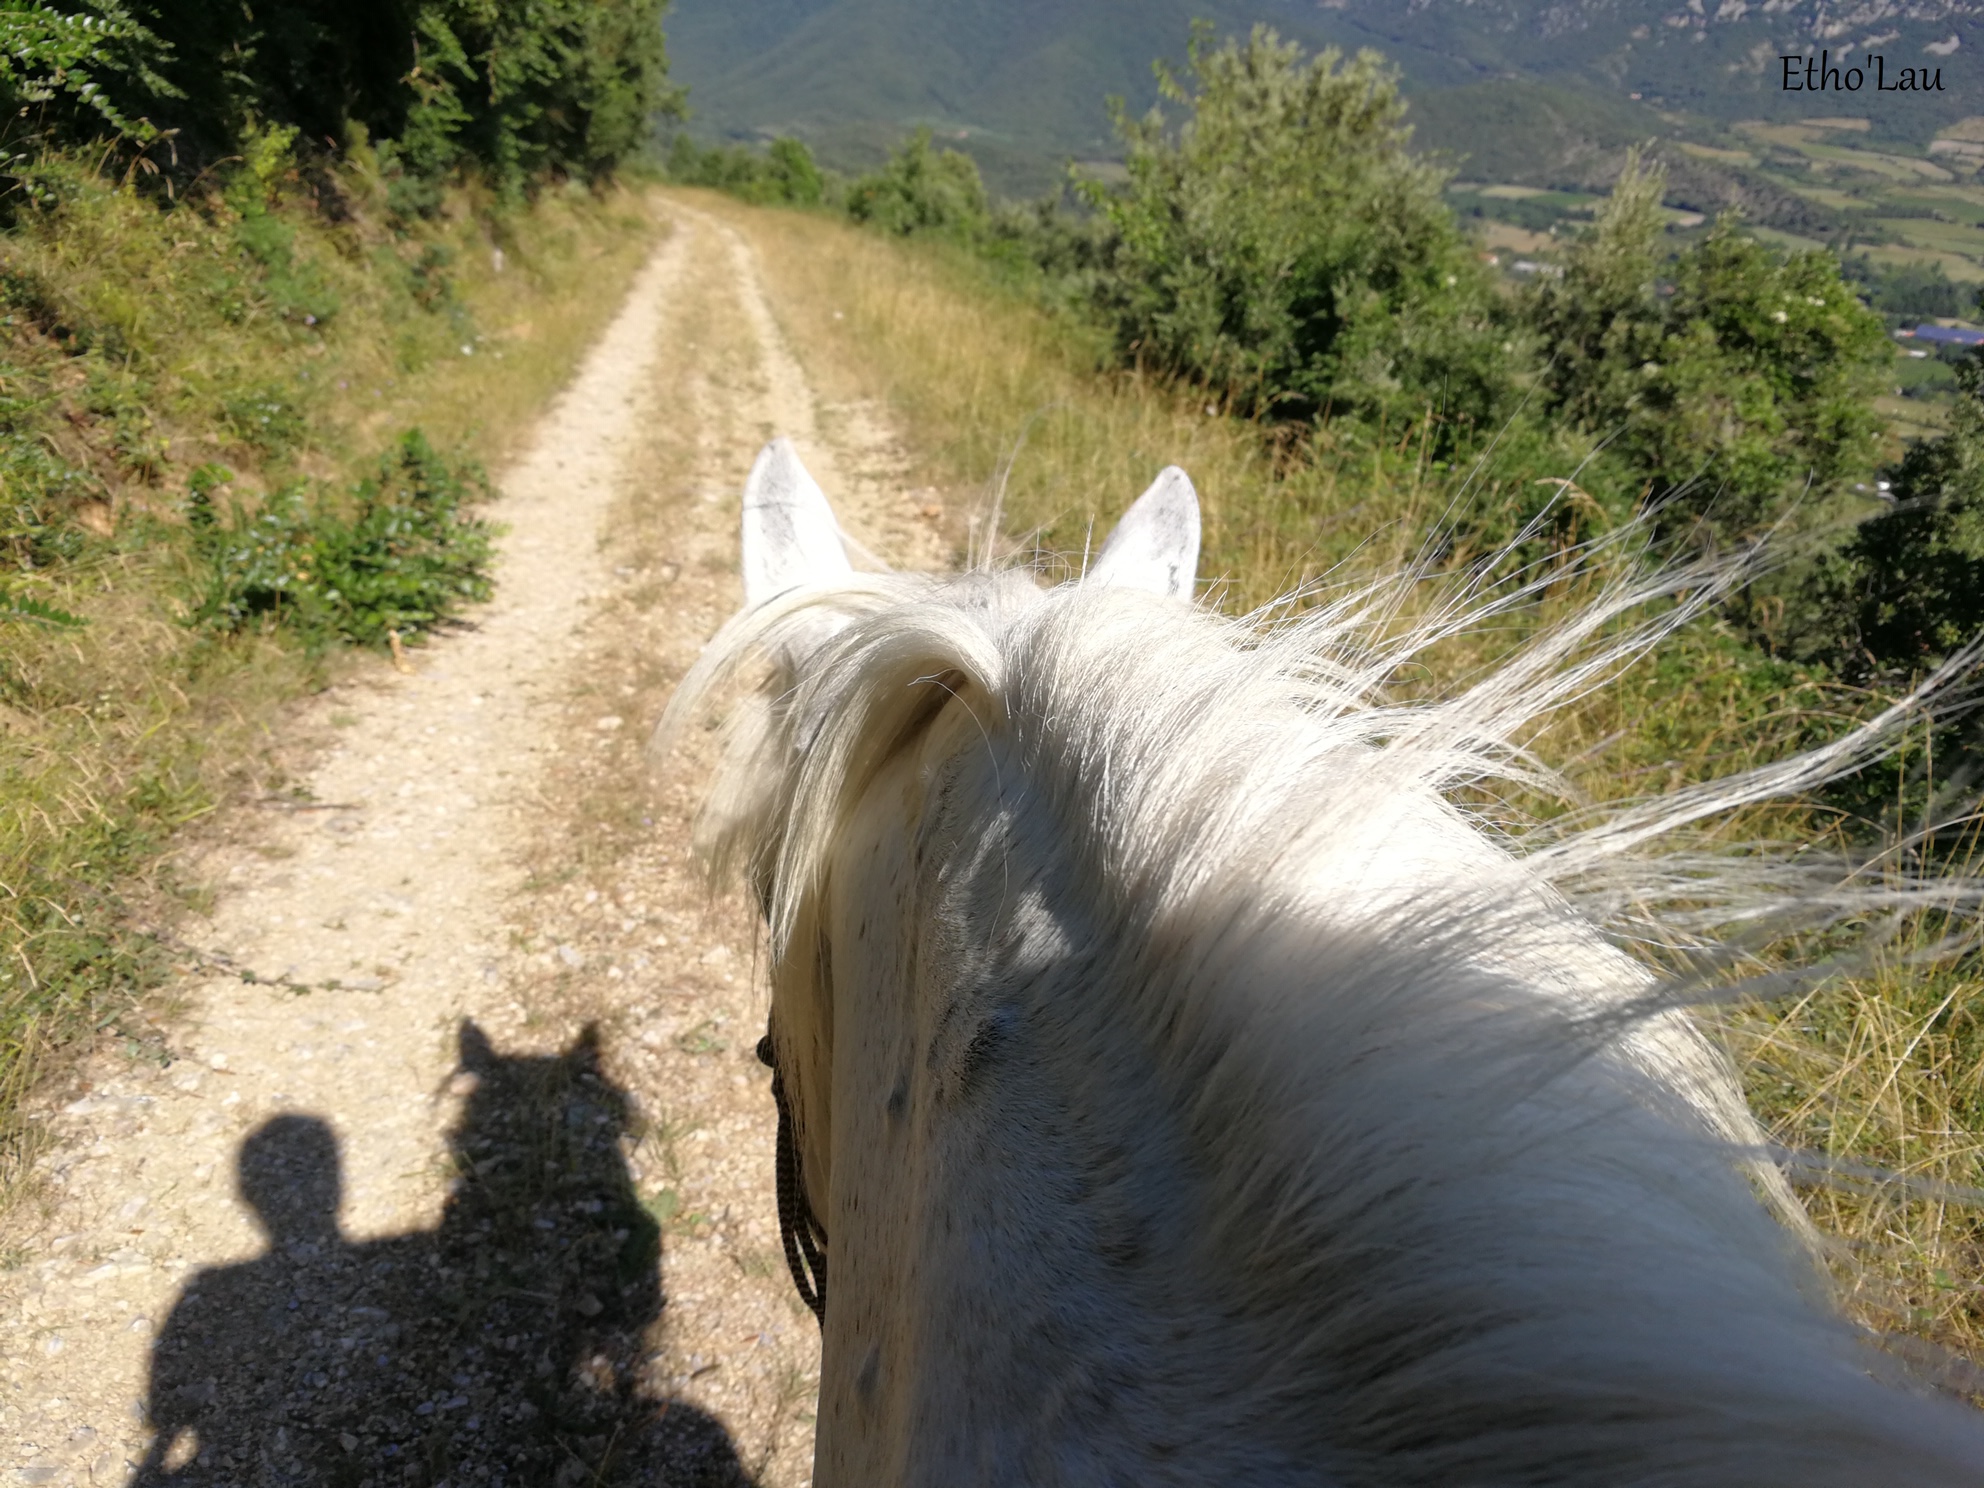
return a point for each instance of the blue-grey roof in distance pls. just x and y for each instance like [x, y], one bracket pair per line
[1952, 334]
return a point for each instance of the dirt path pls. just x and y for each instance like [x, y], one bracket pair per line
[480, 1191]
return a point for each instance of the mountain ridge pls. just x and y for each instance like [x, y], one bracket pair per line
[1022, 86]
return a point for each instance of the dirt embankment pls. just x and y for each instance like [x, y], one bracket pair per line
[457, 1168]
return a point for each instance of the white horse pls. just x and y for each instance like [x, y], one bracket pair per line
[1189, 1093]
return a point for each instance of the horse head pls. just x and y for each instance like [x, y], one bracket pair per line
[1189, 1087]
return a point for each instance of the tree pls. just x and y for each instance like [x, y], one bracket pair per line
[921, 190]
[1744, 389]
[786, 174]
[1601, 322]
[1913, 578]
[520, 89]
[1283, 246]
[795, 177]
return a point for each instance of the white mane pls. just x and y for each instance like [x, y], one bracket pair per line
[1459, 1196]
[1213, 740]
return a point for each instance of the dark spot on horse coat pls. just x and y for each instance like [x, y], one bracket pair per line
[898, 1101]
[869, 1375]
[994, 1030]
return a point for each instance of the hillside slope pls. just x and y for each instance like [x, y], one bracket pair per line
[1718, 59]
[1022, 86]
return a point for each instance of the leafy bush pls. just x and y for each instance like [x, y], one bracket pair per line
[1907, 591]
[1745, 386]
[400, 554]
[264, 418]
[1284, 247]
[294, 289]
[1907, 291]
[796, 177]
[71, 60]
[922, 191]
[785, 175]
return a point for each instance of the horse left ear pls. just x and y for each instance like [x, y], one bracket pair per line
[790, 535]
[1156, 545]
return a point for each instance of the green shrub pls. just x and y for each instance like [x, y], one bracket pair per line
[784, 175]
[798, 179]
[95, 68]
[922, 191]
[294, 289]
[1744, 388]
[1283, 247]
[399, 554]
[264, 418]
[1906, 591]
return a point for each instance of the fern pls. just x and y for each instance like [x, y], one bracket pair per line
[35, 611]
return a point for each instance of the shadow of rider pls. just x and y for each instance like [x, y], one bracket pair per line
[508, 1346]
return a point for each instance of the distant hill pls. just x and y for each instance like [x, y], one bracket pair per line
[1021, 84]
[1714, 57]
[1534, 134]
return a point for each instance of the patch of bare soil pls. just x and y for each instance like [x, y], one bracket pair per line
[462, 1175]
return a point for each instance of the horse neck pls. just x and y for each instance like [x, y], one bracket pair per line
[1245, 1192]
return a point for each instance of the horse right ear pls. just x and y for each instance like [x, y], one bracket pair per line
[1156, 545]
[790, 535]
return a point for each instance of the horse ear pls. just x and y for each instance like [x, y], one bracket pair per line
[790, 535]
[1156, 545]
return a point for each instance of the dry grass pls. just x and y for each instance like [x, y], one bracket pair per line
[1002, 403]
[139, 336]
[1886, 1075]
[996, 398]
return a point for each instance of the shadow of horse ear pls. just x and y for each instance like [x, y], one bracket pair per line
[585, 1050]
[474, 1052]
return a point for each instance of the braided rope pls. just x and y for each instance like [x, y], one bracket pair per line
[799, 1231]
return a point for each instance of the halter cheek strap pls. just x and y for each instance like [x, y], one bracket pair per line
[799, 1231]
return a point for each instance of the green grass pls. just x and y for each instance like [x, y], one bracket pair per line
[291, 342]
[1964, 203]
[1938, 237]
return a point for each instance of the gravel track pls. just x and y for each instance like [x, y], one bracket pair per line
[456, 1167]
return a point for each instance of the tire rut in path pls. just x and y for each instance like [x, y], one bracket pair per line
[521, 1071]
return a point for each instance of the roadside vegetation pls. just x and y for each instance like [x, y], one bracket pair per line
[1279, 298]
[273, 296]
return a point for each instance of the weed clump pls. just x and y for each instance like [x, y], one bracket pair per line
[398, 553]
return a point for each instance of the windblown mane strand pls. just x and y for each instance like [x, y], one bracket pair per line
[1197, 708]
